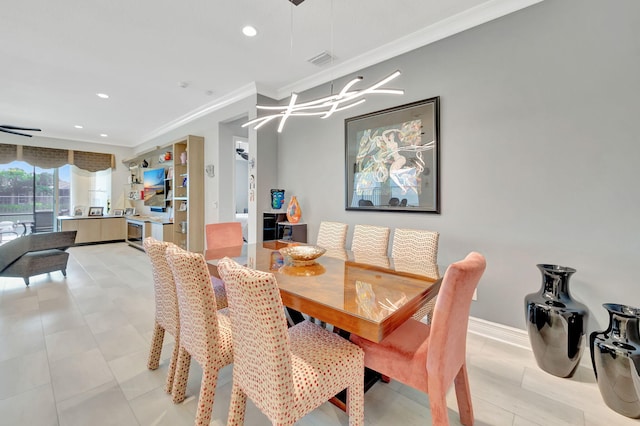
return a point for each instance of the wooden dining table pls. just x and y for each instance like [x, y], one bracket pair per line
[369, 296]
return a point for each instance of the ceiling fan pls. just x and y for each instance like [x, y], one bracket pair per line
[242, 153]
[12, 129]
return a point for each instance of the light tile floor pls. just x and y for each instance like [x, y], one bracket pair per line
[74, 352]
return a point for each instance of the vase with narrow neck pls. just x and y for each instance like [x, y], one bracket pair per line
[293, 210]
[615, 354]
[556, 323]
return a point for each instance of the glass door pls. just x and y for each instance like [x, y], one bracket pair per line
[33, 196]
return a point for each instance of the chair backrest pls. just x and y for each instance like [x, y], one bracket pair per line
[43, 221]
[332, 235]
[448, 336]
[261, 346]
[12, 250]
[417, 244]
[226, 234]
[61, 240]
[7, 226]
[370, 239]
[199, 332]
[164, 286]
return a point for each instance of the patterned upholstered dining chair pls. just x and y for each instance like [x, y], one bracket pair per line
[432, 357]
[166, 317]
[332, 235]
[373, 240]
[285, 372]
[419, 245]
[205, 332]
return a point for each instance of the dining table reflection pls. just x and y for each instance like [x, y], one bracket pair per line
[360, 294]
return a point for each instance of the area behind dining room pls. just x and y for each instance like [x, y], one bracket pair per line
[77, 349]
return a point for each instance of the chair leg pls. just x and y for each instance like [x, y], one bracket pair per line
[26, 281]
[438, 404]
[463, 395]
[168, 387]
[156, 347]
[182, 376]
[207, 394]
[64, 272]
[237, 406]
[355, 403]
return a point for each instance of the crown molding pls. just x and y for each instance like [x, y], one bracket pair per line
[470, 18]
[219, 103]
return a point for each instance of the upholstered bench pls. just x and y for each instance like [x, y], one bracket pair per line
[36, 254]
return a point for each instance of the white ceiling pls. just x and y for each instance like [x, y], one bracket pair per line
[56, 55]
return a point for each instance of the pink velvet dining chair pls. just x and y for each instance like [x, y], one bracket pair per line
[225, 234]
[286, 372]
[432, 357]
[219, 236]
[166, 316]
[205, 331]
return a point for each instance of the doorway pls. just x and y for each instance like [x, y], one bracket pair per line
[241, 182]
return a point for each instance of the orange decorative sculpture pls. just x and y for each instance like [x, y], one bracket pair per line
[293, 210]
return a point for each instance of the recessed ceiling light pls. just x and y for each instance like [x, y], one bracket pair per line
[104, 135]
[102, 95]
[249, 31]
[77, 126]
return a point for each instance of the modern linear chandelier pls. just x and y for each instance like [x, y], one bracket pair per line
[324, 107]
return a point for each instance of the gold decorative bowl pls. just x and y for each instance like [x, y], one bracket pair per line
[303, 270]
[302, 255]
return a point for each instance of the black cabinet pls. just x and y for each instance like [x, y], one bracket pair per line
[276, 227]
[270, 225]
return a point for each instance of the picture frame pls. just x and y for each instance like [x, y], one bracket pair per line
[96, 211]
[78, 210]
[392, 159]
[118, 212]
[183, 206]
[129, 211]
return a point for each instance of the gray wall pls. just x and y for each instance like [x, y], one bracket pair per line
[539, 151]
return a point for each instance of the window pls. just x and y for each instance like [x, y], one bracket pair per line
[26, 190]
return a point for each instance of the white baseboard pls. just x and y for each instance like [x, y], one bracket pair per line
[513, 336]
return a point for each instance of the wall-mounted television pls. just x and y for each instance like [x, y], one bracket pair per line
[154, 188]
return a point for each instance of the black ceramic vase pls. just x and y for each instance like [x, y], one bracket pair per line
[615, 354]
[556, 324]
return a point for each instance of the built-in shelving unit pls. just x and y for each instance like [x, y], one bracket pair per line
[188, 193]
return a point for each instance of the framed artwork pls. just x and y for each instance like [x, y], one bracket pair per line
[118, 212]
[78, 211]
[129, 211]
[392, 159]
[95, 211]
